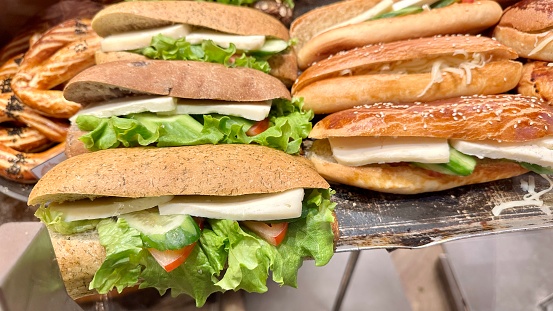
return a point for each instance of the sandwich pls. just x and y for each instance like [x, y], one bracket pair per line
[422, 69]
[346, 25]
[526, 27]
[193, 220]
[180, 103]
[196, 30]
[424, 147]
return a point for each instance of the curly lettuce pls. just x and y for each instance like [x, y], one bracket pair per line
[288, 126]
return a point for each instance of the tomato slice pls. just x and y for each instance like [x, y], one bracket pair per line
[258, 127]
[171, 259]
[273, 233]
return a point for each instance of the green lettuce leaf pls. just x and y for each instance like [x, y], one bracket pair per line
[55, 221]
[167, 48]
[124, 251]
[288, 126]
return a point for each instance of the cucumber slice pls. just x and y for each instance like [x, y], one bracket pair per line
[271, 47]
[536, 168]
[442, 4]
[459, 164]
[169, 232]
[406, 11]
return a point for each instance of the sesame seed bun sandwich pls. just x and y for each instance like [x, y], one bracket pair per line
[349, 24]
[196, 30]
[182, 103]
[526, 27]
[193, 220]
[422, 69]
[423, 147]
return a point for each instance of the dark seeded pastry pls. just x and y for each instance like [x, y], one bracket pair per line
[397, 148]
[537, 80]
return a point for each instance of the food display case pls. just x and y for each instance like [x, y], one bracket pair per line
[368, 220]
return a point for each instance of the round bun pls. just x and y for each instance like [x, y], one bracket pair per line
[537, 81]
[460, 18]
[220, 170]
[508, 118]
[359, 76]
[525, 26]
[403, 178]
[184, 79]
[136, 15]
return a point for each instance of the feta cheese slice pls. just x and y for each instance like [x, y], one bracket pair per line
[255, 111]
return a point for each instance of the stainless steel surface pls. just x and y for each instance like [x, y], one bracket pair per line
[29, 275]
[375, 220]
[504, 272]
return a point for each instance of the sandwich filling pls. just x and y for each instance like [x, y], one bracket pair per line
[185, 42]
[168, 121]
[157, 242]
[453, 156]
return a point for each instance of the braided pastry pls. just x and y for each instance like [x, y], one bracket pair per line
[17, 166]
[57, 56]
[7, 71]
[24, 139]
[11, 109]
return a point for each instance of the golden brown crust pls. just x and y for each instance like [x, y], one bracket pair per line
[403, 178]
[528, 16]
[454, 19]
[537, 81]
[335, 94]
[128, 16]
[508, 118]
[527, 45]
[369, 58]
[184, 79]
[222, 170]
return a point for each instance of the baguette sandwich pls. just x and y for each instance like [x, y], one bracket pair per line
[526, 27]
[422, 69]
[193, 220]
[425, 147]
[355, 23]
[180, 103]
[196, 30]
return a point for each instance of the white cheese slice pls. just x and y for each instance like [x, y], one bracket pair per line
[271, 206]
[255, 111]
[381, 7]
[142, 38]
[406, 3]
[358, 151]
[243, 43]
[535, 152]
[128, 105]
[105, 207]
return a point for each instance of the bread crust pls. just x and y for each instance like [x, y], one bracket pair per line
[525, 43]
[219, 170]
[403, 178]
[460, 18]
[508, 118]
[283, 66]
[136, 15]
[336, 94]
[528, 16]
[537, 81]
[184, 79]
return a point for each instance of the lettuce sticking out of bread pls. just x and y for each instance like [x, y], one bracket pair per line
[288, 125]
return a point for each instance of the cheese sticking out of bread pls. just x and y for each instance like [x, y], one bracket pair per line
[535, 152]
[269, 206]
[255, 111]
[105, 207]
[363, 150]
[142, 38]
[128, 105]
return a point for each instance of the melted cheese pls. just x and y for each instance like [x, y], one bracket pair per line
[129, 105]
[271, 206]
[536, 152]
[105, 207]
[255, 111]
[358, 151]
